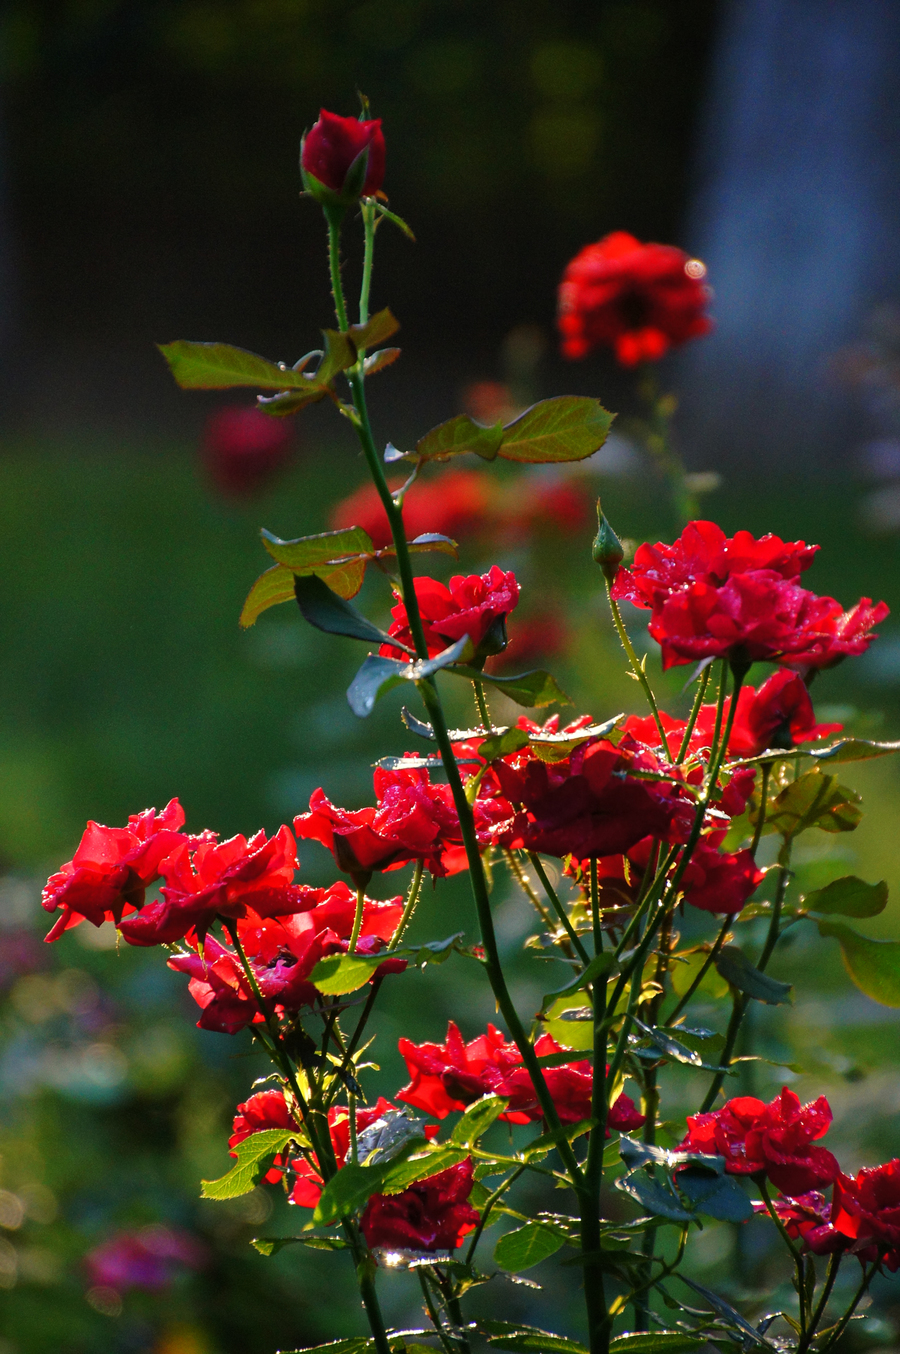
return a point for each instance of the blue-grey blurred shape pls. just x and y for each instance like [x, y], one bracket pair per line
[797, 216]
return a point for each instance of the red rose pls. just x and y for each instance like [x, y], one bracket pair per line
[266, 1109]
[587, 804]
[703, 553]
[243, 448]
[717, 881]
[638, 299]
[110, 871]
[848, 633]
[808, 1219]
[307, 1184]
[432, 1215]
[453, 504]
[476, 606]
[867, 1208]
[224, 879]
[342, 159]
[282, 952]
[452, 1075]
[776, 1138]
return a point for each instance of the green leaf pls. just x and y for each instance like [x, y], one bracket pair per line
[378, 361]
[348, 1190]
[565, 428]
[338, 974]
[307, 552]
[850, 897]
[428, 1162]
[726, 1312]
[576, 1033]
[502, 744]
[715, 1196]
[251, 1154]
[326, 611]
[340, 353]
[685, 969]
[599, 965]
[658, 1197]
[379, 675]
[873, 965]
[526, 1246]
[854, 750]
[477, 1120]
[381, 327]
[358, 1344]
[555, 747]
[218, 366]
[736, 968]
[659, 1342]
[663, 1042]
[530, 689]
[528, 1339]
[459, 435]
[388, 1136]
[271, 1245]
[814, 800]
[274, 586]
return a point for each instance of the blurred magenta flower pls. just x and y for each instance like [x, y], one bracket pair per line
[243, 449]
[147, 1258]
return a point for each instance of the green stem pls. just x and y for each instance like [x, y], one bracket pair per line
[594, 1290]
[795, 1253]
[834, 1262]
[491, 1200]
[637, 669]
[524, 884]
[707, 964]
[695, 711]
[334, 217]
[368, 216]
[357, 919]
[482, 704]
[558, 908]
[411, 899]
[763, 805]
[845, 1319]
[433, 1314]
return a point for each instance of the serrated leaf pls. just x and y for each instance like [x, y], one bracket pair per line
[736, 968]
[873, 965]
[659, 1342]
[565, 428]
[306, 552]
[380, 327]
[379, 675]
[337, 974]
[663, 1042]
[378, 361]
[276, 585]
[659, 1199]
[526, 1246]
[477, 1120]
[458, 435]
[685, 969]
[813, 800]
[854, 750]
[340, 353]
[357, 1344]
[849, 897]
[326, 611]
[386, 1138]
[271, 1245]
[715, 1196]
[251, 1153]
[529, 689]
[528, 1339]
[636, 1154]
[555, 747]
[420, 1167]
[502, 744]
[219, 366]
[350, 1189]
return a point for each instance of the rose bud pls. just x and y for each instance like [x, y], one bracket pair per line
[342, 159]
[607, 548]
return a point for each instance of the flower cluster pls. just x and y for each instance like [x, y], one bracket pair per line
[714, 596]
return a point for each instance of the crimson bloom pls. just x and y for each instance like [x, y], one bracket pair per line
[282, 952]
[148, 1258]
[110, 871]
[588, 804]
[342, 159]
[432, 1215]
[719, 881]
[414, 820]
[849, 633]
[243, 448]
[224, 879]
[453, 504]
[638, 299]
[452, 1075]
[807, 1218]
[866, 1208]
[776, 1138]
[265, 1109]
[476, 606]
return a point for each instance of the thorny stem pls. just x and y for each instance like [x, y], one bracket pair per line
[558, 908]
[763, 804]
[482, 704]
[594, 1291]
[638, 669]
[368, 216]
[411, 899]
[357, 919]
[433, 1315]
[489, 1203]
[515, 868]
[695, 712]
[429, 693]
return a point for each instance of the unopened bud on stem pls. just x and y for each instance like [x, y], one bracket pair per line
[607, 548]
